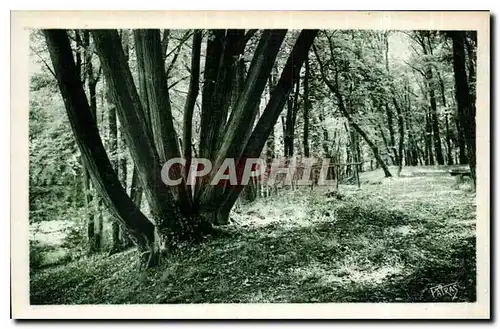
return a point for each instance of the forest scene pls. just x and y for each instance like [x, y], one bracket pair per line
[388, 114]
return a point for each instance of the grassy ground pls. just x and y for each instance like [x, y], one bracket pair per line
[390, 241]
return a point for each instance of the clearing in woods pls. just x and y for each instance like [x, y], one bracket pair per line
[390, 241]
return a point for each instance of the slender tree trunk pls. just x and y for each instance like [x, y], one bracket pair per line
[113, 151]
[401, 134]
[326, 140]
[449, 155]
[93, 238]
[392, 140]
[466, 108]
[462, 154]
[429, 158]
[194, 86]
[334, 88]
[306, 109]
[435, 125]
[429, 76]
[270, 143]
[289, 131]
[386, 144]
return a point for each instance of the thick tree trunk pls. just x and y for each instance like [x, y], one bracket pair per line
[271, 113]
[466, 108]
[239, 128]
[223, 48]
[92, 149]
[136, 189]
[470, 42]
[174, 221]
[162, 127]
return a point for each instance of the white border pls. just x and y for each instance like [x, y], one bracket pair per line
[366, 20]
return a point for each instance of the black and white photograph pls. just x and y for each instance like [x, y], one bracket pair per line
[255, 164]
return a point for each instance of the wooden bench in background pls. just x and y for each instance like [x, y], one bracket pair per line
[460, 173]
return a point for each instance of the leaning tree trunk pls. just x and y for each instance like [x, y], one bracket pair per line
[466, 108]
[334, 89]
[271, 113]
[173, 217]
[238, 129]
[92, 149]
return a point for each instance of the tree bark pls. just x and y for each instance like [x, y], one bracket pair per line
[162, 127]
[429, 157]
[194, 86]
[429, 75]
[113, 150]
[401, 134]
[275, 105]
[173, 221]
[239, 128]
[462, 153]
[466, 108]
[92, 149]
[307, 104]
[94, 237]
[392, 140]
[386, 144]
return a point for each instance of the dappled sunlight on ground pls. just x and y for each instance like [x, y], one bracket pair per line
[387, 242]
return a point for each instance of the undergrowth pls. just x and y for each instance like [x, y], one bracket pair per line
[387, 242]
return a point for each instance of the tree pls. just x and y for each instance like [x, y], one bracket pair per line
[335, 88]
[149, 131]
[465, 105]
[307, 105]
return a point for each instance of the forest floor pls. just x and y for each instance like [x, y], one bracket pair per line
[389, 241]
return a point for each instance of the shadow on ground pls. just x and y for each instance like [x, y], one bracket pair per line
[367, 247]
